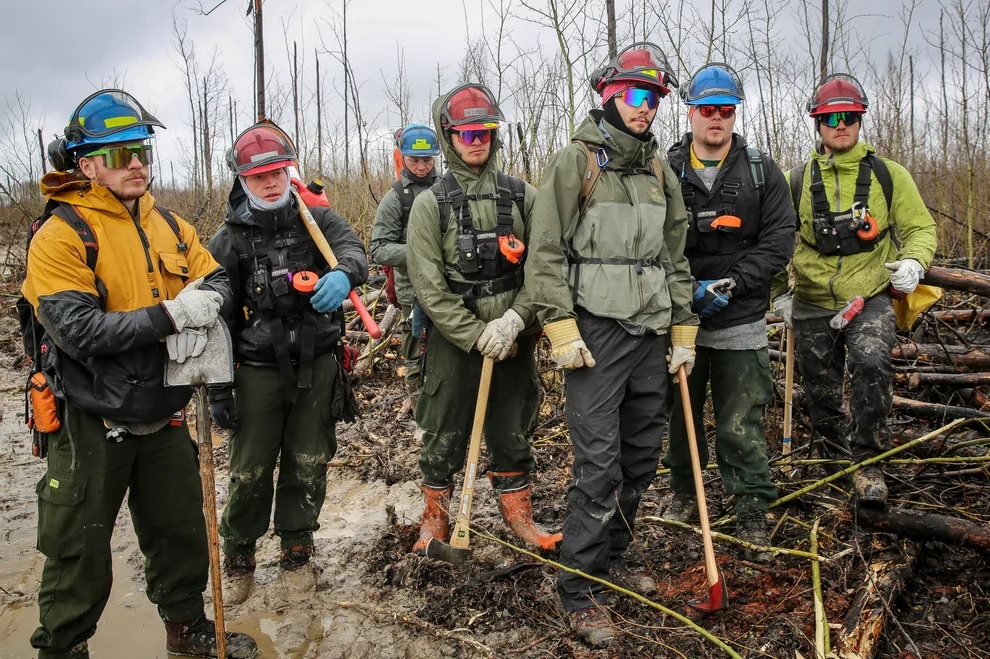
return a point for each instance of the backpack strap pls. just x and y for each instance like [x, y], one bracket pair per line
[882, 173]
[406, 198]
[796, 181]
[511, 190]
[173, 224]
[446, 190]
[597, 159]
[756, 168]
[68, 214]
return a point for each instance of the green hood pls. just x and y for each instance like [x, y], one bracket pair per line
[454, 162]
[623, 150]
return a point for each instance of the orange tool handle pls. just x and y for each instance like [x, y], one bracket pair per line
[374, 331]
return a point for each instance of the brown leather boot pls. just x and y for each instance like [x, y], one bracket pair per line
[434, 522]
[517, 511]
[198, 638]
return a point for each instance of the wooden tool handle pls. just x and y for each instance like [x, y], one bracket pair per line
[788, 390]
[205, 445]
[461, 536]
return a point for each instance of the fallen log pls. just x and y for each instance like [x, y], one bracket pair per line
[389, 322]
[917, 380]
[927, 526]
[958, 279]
[919, 408]
[975, 357]
[961, 316]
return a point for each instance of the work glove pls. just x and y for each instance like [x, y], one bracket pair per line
[498, 336]
[190, 342]
[222, 409]
[193, 307]
[711, 296]
[682, 348]
[568, 349]
[782, 305]
[331, 291]
[905, 275]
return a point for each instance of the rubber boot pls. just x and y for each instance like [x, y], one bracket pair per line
[198, 638]
[434, 522]
[517, 511]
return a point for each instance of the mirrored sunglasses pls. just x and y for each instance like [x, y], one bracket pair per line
[724, 111]
[471, 134]
[832, 119]
[635, 97]
[117, 157]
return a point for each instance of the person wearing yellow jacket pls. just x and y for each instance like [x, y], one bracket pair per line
[108, 329]
[864, 232]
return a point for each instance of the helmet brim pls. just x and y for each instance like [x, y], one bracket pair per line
[718, 99]
[268, 167]
[841, 106]
[491, 125]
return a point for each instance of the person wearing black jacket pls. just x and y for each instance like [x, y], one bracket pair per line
[741, 232]
[289, 381]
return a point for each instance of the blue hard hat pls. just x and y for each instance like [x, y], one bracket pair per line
[418, 141]
[107, 117]
[714, 84]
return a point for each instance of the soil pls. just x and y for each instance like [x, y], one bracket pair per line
[374, 598]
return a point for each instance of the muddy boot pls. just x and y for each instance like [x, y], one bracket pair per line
[408, 408]
[77, 651]
[870, 487]
[682, 509]
[198, 638]
[297, 574]
[752, 527]
[434, 522]
[238, 578]
[637, 579]
[517, 511]
[592, 626]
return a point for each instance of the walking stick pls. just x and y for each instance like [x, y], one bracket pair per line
[205, 444]
[718, 594]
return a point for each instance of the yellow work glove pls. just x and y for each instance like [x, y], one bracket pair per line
[569, 350]
[682, 348]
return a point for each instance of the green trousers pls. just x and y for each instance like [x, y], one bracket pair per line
[446, 411]
[279, 424]
[741, 387]
[409, 347]
[78, 501]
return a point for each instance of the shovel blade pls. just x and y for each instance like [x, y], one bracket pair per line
[718, 597]
[444, 552]
[215, 365]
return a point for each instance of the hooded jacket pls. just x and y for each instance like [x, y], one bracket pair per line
[831, 281]
[628, 216]
[754, 254]
[110, 358]
[432, 258]
[281, 244]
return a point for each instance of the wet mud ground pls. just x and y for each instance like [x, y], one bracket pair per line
[375, 599]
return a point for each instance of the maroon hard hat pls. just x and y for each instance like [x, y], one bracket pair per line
[260, 148]
[640, 64]
[839, 92]
[470, 107]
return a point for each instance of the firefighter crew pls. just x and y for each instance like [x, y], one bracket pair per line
[613, 293]
[465, 256]
[740, 233]
[289, 383]
[851, 204]
[110, 326]
[418, 147]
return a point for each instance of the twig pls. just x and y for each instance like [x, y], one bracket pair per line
[822, 641]
[728, 538]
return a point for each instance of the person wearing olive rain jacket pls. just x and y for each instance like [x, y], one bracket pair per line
[613, 293]
[485, 313]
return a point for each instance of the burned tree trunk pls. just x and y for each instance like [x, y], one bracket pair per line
[928, 526]
[958, 279]
[975, 357]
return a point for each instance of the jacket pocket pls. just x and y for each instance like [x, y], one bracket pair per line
[61, 524]
[175, 271]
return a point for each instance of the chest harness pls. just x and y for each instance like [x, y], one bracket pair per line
[850, 231]
[482, 257]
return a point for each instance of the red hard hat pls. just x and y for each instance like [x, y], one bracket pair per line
[640, 64]
[470, 107]
[260, 148]
[839, 92]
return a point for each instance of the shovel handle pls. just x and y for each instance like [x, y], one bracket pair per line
[461, 537]
[205, 445]
[711, 568]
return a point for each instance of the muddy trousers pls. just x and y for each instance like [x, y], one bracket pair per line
[279, 424]
[822, 356]
[446, 411]
[78, 501]
[616, 413]
[741, 388]
[409, 349]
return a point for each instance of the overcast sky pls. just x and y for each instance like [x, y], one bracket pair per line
[57, 53]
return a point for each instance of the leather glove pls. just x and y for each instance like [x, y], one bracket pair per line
[568, 349]
[905, 275]
[498, 336]
[223, 410]
[782, 306]
[330, 291]
[190, 342]
[193, 307]
[682, 348]
[712, 295]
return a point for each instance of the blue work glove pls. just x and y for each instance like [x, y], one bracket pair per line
[331, 291]
[711, 296]
[222, 409]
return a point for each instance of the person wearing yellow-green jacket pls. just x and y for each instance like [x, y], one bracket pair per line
[864, 232]
[612, 290]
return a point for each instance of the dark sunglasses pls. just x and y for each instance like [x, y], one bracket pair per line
[635, 97]
[471, 134]
[724, 111]
[117, 157]
[832, 119]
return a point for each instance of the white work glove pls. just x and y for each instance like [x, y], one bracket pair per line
[905, 275]
[681, 352]
[782, 306]
[568, 348]
[190, 342]
[498, 336]
[193, 307]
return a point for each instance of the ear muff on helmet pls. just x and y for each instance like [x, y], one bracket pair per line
[60, 158]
